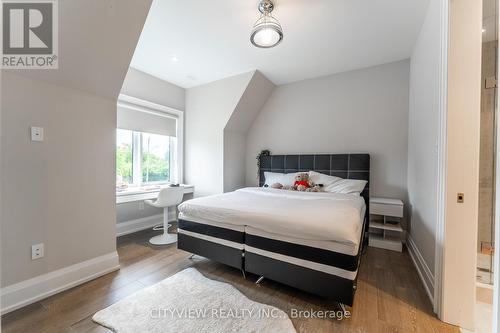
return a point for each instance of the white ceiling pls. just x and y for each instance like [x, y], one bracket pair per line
[210, 39]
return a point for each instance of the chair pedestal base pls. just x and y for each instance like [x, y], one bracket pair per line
[164, 239]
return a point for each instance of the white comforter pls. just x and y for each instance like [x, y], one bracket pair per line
[305, 215]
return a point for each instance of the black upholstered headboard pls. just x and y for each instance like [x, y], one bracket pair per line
[349, 166]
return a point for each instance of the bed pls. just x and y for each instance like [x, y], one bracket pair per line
[311, 241]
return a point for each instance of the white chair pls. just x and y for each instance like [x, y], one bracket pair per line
[168, 197]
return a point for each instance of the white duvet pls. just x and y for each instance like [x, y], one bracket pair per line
[305, 215]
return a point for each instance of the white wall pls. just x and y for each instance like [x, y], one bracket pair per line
[235, 132]
[208, 109]
[235, 145]
[423, 140]
[363, 111]
[147, 87]
[60, 192]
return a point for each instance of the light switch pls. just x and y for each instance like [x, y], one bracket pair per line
[490, 82]
[36, 133]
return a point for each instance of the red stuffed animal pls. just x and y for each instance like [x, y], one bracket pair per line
[301, 181]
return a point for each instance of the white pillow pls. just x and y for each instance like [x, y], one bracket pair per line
[321, 178]
[275, 177]
[348, 186]
[336, 184]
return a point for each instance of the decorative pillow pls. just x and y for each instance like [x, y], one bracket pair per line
[338, 185]
[321, 178]
[348, 186]
[285, 179]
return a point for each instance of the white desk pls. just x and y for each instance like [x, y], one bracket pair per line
[139, 194]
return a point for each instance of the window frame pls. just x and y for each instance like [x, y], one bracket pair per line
[176, 169]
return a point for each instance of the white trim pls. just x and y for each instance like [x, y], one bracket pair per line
[496, 258]
[140, 104]
[29, 291]
[129, 227]
[463, 330]
[332, 270]
[484, 285]
[136, 159]
[146, 106]
[351, 249]
[131, 194]
[235, 227]
[423, 269]
[442, 162]
[221, 241]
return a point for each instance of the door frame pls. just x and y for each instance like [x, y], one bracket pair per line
[496, 257]
[458, 156]
[442, 163]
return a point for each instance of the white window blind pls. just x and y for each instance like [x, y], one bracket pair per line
[145, 121]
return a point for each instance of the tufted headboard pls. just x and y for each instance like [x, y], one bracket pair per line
[349, 166]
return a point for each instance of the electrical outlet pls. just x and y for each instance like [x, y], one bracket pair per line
[141, 205]
[37, 251]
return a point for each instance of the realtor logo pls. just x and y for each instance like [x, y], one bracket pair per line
[29, 35]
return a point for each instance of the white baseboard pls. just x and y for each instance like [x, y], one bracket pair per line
[422, 268]
[463, 330]
[32, 290]
[128, 227]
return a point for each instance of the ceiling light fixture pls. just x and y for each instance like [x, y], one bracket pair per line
[174, 59]
[267, 31]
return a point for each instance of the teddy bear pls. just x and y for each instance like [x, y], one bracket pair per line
[280, 186]
[302, 182]
[315, 188]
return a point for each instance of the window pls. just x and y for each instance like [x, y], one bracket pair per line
[155, 151]
[148, 143]
[144, 158]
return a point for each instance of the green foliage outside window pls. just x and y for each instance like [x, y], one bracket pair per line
[124, 163]
[154, 168]
[154, 153]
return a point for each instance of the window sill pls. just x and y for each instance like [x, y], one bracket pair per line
[143, 193]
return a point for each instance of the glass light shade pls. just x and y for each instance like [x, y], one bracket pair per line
[266, 32]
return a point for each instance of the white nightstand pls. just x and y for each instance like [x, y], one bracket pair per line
[385, 224]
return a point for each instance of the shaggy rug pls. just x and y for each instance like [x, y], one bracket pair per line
[189, 302]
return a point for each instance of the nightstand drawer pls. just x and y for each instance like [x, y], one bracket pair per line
[387, 207]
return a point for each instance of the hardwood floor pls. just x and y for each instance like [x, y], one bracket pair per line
[390, 296]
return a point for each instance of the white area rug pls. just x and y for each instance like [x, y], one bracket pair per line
[189, 302]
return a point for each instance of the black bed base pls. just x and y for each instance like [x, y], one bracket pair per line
[315, 282]
[322, 284]
[216, 252]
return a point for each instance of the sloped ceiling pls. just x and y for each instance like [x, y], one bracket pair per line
[252, 100]
[208, 109]
[255, 95]
[97, 39]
